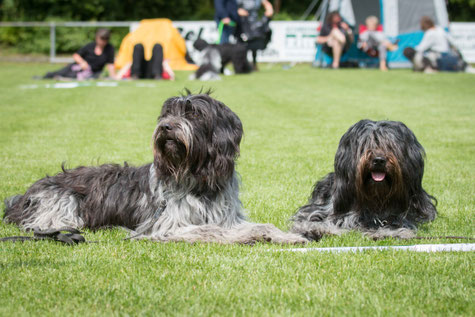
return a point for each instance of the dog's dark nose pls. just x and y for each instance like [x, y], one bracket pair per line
[379, 161]
[166, 127]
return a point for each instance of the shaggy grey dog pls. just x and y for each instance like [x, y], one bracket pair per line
[189, 193]
[376, 186]
[212, 59]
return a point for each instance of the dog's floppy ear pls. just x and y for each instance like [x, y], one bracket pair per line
[224, 148]
[412, 162]
[200, 44]
[345, 171]
[422, 206]
[421, 203]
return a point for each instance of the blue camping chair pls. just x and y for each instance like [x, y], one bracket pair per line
[353, 55]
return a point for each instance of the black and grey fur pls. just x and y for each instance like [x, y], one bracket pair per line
[189, 193]
[213, 58]
[376, 187]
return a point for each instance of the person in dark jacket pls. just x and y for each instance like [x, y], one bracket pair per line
[226, 13]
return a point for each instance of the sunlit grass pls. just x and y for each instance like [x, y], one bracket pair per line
[292, 120]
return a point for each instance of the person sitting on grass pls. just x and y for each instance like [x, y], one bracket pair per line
[89, 60]
[374, 43]
[156, 68]
[435, 51]
[336, 37]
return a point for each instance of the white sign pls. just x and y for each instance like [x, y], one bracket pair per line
[464, 37]
[294, 41]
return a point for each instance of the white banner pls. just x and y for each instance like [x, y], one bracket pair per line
[463, 34]
[294, 41]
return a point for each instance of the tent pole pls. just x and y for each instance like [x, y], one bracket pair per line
[319, 11]
[309, 10]
[322, 10]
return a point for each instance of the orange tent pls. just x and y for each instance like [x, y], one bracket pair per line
[149, 33]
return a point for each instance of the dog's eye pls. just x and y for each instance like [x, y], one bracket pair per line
[192, 114]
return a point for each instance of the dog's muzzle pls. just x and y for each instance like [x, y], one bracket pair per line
[166, 131]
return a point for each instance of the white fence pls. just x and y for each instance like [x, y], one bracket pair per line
[292, 41]
[463, 34]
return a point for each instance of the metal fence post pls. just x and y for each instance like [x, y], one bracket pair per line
[52, 45]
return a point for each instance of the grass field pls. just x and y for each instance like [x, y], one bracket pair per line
[293, 120]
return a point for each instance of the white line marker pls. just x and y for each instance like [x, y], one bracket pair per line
[455, 247]
[106, 84]
[77, 84]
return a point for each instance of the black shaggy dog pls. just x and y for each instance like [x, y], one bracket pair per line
[189, 193]
[376, 186]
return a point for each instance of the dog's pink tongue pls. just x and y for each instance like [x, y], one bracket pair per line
[378, 177]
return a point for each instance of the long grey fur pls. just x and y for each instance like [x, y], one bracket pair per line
[189, 193]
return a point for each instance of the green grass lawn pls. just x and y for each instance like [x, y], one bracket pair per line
[293, 120]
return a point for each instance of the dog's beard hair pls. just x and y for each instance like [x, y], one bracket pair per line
[172, 157]
[189, 193]
[348, 199]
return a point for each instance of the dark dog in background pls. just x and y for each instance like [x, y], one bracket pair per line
[256, 34]
[376, 187]
[213, 58]
[189, 193]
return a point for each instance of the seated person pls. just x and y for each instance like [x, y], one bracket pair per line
[156, 68]
[89, 60]
[374, 42]
[336, 37]
[434, 52]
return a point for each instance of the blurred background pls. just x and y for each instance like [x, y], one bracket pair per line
[36, 40]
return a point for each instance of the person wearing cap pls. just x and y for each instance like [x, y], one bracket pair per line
[89, 60]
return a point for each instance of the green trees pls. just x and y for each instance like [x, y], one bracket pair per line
[130, 10]
[29, 40]
[105, 10]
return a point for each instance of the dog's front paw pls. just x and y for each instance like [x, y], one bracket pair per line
[289, 238]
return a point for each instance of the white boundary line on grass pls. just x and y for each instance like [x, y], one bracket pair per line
[454, 247]
[75, 84]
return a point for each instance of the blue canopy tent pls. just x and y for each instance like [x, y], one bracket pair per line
[399, 18]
